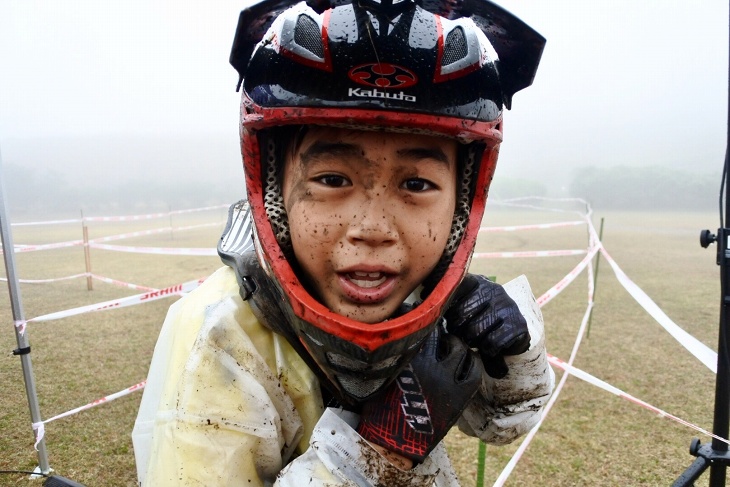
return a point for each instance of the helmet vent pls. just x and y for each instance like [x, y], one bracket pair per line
[455, 47]
[308, 35]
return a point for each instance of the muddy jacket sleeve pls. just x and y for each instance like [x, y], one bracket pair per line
[227, 401]
[507, 408]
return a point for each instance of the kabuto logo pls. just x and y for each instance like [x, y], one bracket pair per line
[361, 93]
[413, 402]
[383, 75]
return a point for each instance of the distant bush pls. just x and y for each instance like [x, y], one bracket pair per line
[646, 188]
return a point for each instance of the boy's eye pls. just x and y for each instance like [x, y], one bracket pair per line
[417, 185]
[333, 180]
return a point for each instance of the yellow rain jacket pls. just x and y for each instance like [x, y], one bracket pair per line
[228, 402]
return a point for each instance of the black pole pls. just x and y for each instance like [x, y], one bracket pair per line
[716, 456]
[722, 381]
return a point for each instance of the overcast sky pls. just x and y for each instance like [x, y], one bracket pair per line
[621, 82]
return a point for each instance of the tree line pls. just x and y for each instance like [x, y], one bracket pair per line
[622, 187]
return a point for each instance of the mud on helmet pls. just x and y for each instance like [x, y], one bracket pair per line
[442, 67]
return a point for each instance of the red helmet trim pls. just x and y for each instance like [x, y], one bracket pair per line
[367, 336]
[465, 130]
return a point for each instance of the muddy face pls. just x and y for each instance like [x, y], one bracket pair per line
[370, 214]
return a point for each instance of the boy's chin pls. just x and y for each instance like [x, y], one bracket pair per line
[366, 313]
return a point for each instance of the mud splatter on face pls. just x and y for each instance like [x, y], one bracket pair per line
[397, 192]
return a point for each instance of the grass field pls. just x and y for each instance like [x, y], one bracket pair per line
[589, 438]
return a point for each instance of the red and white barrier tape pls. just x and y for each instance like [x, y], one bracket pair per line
[39, 428]
[701, 351]
[585, 376]
[85, 274]
[154, 231]
[127, 218]
[20, 325]
[129, 285]
[580, 201]
[539, 226]
[520, 203]
[123, 302]
[119, 218]
[58, 245]
[141, 233]
[563, 283]
[95, 242]
[150, 216]
[157, 250]
[202, 225]
[151, 295]
[205, 208]
[48, 222]
[527, 253]
[45, 281]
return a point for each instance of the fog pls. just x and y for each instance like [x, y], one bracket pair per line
[106, 100]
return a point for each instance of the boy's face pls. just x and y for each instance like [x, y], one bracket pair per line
[370, 214]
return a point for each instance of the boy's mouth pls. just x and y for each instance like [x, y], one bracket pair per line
[367, 279]
[366, 287]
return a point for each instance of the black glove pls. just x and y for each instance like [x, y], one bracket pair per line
[425, 400]
[487, 319]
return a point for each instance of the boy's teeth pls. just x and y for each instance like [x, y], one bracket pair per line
[369, 279]
[367, 274]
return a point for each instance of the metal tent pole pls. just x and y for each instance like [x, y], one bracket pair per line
[23, 350]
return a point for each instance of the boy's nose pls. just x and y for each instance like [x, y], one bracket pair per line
[374, 223]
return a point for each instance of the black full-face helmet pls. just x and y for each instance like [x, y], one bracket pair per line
[441, 67]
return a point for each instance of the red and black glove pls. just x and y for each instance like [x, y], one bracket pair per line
[425, 400]
[487, 319]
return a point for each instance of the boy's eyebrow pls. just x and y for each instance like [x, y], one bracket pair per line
[353, 150]
[420, 153]
[321, 147]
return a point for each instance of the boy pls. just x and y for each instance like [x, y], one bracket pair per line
[344, 340]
